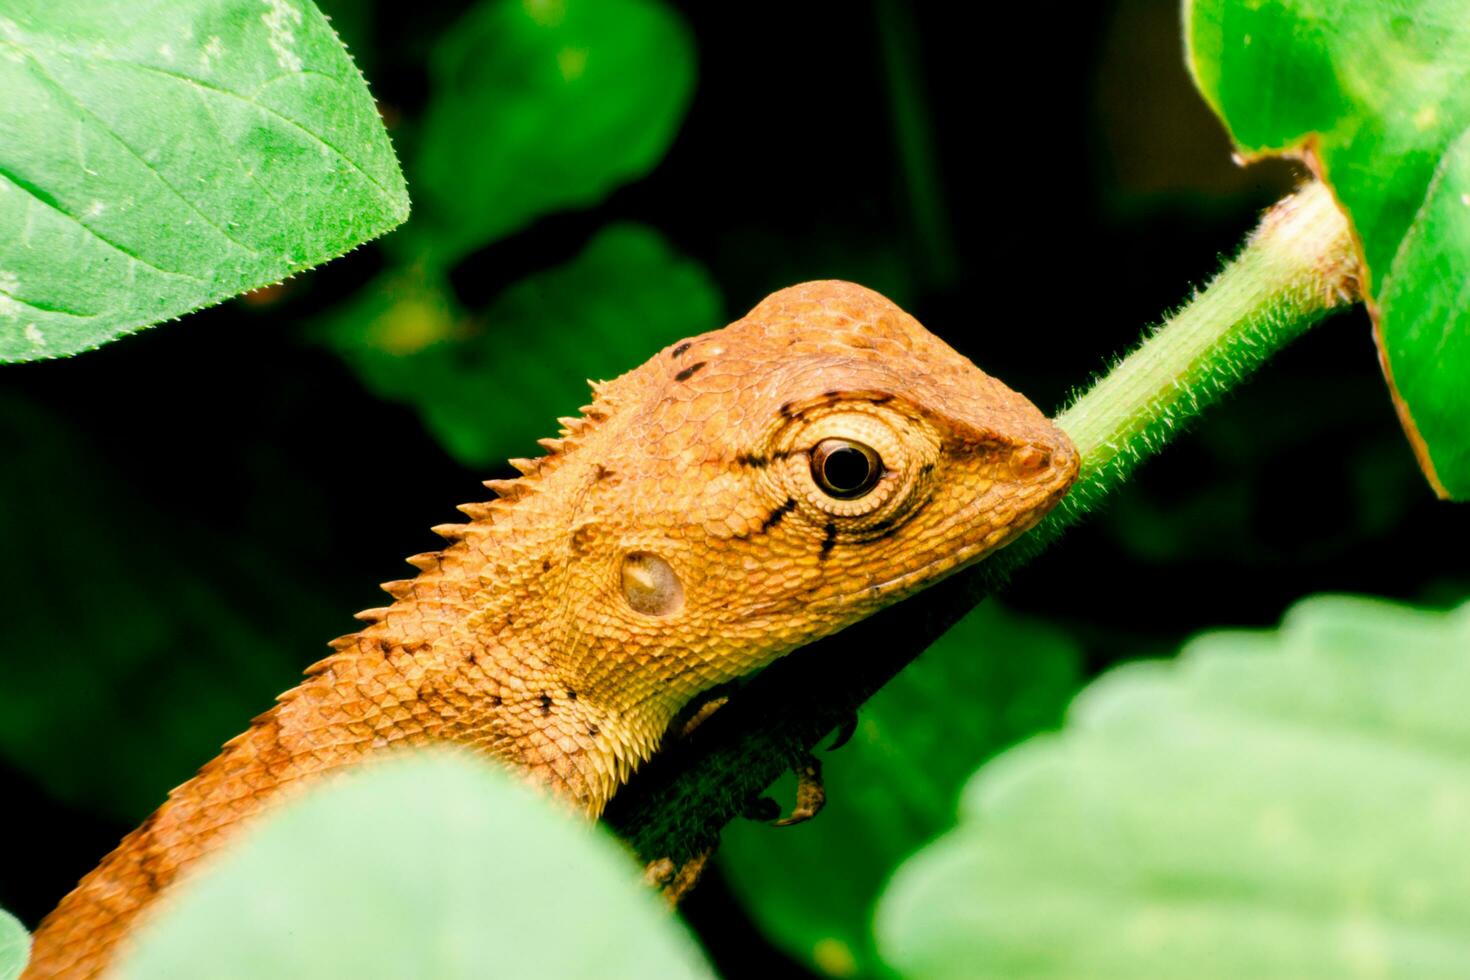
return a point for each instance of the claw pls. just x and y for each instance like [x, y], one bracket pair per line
[701, 715]
[676, 880]
[698, 711]
[844, 732]
[658, 871]
[811, 795]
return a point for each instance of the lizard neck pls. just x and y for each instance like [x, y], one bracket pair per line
[416, 676]
[491, 684]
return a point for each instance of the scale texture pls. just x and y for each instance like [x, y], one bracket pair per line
[681, 532]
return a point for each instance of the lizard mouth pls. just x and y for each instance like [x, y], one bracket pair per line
[927, 574]
[951, 562]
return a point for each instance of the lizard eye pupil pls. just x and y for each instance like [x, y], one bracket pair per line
[845, 469]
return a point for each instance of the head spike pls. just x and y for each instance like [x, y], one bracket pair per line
[372, 615]
[398, 589]
[425, 561]
[319, 667]
[527, 467]
[475, 511]
[450, 532]
[509, 489]
[552, 446]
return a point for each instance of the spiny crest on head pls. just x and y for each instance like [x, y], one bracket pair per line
[481, 514]
[507, 492]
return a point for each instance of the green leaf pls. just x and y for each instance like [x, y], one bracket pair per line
[1376, 95]
[540, 105]
[15, 946]
[435, 866]
[488, 386]
[995, 677]
[1274, 804]
[159, 156]
[140, 646]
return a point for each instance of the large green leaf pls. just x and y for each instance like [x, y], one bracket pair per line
[992, 679]
[1376, 95]
[488, 386]
[15, 946]
[1289, 804]
[540, 105]
[158, 156]
[130, 658]
[438, 866]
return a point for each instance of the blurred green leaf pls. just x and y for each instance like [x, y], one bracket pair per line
[1273, 804]
[158, 156]
[15, 946]
[540, 105]
[130, 659]
[1225, 503]
[1377, 95]
[488, 386]
[995, 677]
[435, 866]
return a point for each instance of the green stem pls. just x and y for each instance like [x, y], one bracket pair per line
[1297, 266]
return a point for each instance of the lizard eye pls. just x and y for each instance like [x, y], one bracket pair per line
[845, 469]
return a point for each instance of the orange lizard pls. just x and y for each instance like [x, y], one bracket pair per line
[741, 494]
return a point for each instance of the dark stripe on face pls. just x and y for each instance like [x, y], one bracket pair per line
[758, 462]
[889, 527]
[879, 531]
[680, 350]
[688, 372]
[829, 541]
[791, 410]
[775, 516]
[754, 461]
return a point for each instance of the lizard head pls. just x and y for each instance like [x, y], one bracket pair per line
[779, 479]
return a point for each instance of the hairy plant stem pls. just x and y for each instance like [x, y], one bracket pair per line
[1297, 266]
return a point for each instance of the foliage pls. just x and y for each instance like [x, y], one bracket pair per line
[540, 106]
[166, 679]
[592, 318]
[1286, 804]
[994, 678]
[158, 156]
[1377, 97]
[511, 132]
[577, 200]
[439, 866]
[14, 946]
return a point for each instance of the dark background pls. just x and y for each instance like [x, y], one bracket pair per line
[199, 507]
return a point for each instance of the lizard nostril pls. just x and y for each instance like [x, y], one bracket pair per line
[1030, 459]
[650, 584]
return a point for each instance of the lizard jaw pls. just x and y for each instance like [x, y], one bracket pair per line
[915, 579]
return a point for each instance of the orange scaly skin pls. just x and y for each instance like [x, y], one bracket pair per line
[534, 638]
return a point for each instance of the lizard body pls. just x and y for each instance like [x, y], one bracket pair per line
[741, 494]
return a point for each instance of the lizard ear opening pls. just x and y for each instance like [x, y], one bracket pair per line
[651, 585]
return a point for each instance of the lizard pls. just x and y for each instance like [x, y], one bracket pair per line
[739, 495]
